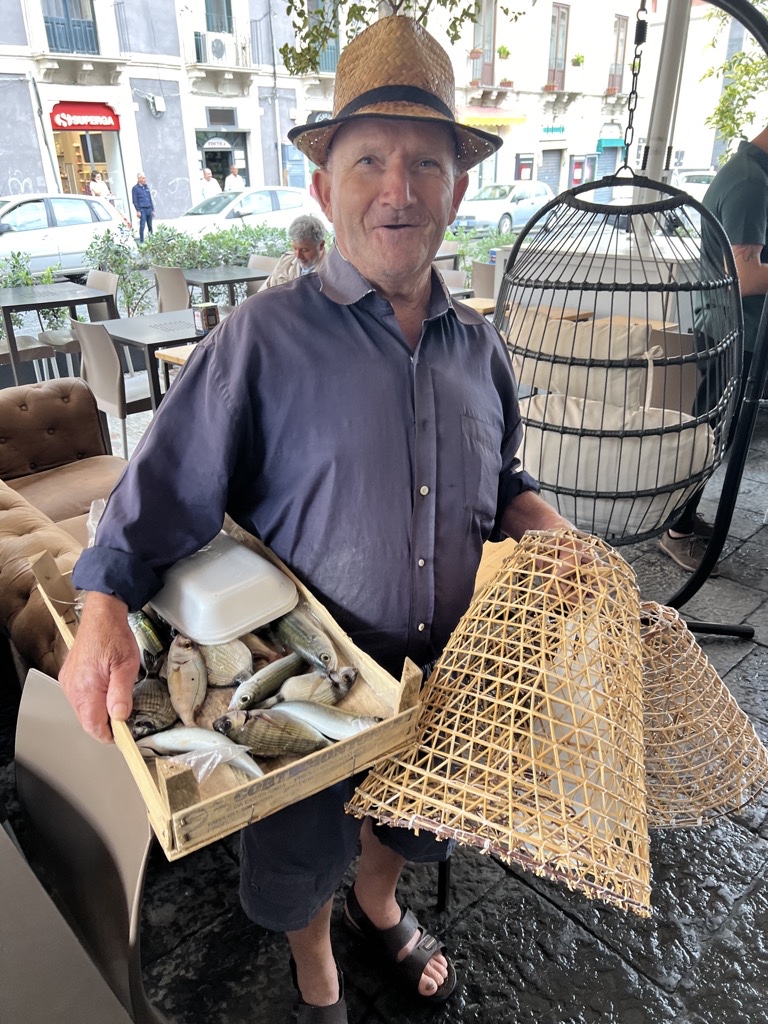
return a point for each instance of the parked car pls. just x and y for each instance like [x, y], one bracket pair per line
[54, 228]
[695, 183]
[503, 207]
[276, 206]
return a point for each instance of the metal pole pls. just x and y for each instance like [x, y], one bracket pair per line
[671, 58]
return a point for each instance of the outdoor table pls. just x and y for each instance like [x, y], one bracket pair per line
[208, 277]
[461, 293]
[480, 305]
[150, 333]
[176, 356]
[23, 298]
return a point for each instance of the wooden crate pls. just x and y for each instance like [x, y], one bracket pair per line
[186, 815]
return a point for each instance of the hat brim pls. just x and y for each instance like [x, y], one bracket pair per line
[472, 144]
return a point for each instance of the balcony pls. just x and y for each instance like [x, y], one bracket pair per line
[220, 61]
[71, 35]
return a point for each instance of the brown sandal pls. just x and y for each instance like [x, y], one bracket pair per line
[306, 1013]
[391, 940]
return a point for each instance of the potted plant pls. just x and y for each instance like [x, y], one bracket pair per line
[506, 83]
[475, 83]
[503, 52]
[550, 87]
[476, 53]
[577, 60]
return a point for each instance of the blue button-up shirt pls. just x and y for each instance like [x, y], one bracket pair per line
[375, 472]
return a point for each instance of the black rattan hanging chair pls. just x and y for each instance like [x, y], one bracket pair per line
[624, 325]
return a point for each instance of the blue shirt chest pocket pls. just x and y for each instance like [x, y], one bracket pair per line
[481, 456]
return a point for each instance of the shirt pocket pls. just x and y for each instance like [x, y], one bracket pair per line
[481, 453]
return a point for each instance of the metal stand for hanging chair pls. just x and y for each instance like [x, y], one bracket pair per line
[627, 409]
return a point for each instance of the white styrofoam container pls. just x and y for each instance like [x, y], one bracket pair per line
[223, 591]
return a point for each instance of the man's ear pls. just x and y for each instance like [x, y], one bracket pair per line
[321, 182]
[459, 189]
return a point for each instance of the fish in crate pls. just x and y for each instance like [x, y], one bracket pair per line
[530, 741]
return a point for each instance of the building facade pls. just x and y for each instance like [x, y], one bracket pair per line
[119, 86]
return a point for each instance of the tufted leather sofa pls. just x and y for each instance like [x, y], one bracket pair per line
[54, 461]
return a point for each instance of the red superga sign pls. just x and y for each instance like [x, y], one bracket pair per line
[78, 116]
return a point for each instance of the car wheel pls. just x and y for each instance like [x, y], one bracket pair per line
[505, 225]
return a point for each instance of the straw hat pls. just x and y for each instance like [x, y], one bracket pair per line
[396, 69]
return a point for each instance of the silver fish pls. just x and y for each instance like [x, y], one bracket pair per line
[227, 663]
[149, 640]
[299, 631]
[331, 722]
[315, 686]
[270, 733]
[187, 678]
[265, 682]
[153, 709]
[183, 740]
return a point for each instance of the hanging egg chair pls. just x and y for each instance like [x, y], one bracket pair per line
[624, 325]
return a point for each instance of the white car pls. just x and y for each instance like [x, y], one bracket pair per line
[695, 183]
[55, 229]
[504, 207]
[276, 206]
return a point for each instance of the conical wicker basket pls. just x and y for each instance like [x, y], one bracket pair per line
[530, 742]
[703, 758]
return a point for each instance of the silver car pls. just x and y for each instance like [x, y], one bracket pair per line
[503, 207]
[54, 229]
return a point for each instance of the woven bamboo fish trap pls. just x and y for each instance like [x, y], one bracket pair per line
[530, 741]
[703, 758]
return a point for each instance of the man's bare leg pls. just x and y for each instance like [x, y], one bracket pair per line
[377, 877]
[315, 965]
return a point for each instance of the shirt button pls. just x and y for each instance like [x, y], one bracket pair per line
[422, 627]
[424, 490]
[421, 563]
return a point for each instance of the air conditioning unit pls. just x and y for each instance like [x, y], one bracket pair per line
[219, 48]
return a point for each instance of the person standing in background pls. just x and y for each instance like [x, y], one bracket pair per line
[209, 186]
[738, 198]
[233, 182]
[141, 198]
[99, 187]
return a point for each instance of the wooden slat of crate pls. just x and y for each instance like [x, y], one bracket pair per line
[180, 830]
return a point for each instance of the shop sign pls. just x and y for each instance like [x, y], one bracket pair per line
[79, 116]
[319, 115]
[216, 144]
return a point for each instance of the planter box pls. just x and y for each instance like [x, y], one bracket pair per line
[185, 815]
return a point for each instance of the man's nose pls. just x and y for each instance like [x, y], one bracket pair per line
[396, 185]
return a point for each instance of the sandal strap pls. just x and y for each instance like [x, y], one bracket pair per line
[305, 1013]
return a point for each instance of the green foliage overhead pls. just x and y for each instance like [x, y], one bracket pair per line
[315, 28]
[745, 78]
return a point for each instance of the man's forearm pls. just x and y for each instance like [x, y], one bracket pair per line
[529, 511]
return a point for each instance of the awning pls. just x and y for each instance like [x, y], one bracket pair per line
[477, 115]
[609, 144]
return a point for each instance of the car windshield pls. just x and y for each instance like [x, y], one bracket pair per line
[214, 204]
[493, 192]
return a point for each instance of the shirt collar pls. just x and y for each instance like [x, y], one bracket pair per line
[341, 282]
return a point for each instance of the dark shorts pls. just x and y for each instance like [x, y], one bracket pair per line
[292, 862]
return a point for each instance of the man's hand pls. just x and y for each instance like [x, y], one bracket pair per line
[101, 669]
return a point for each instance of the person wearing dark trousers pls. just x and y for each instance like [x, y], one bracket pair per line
[738, 198]
[141, 198]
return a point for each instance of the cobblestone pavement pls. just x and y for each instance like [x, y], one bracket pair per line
[528, 952]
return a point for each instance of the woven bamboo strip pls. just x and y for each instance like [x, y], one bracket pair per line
[703, 757]
[530, 740]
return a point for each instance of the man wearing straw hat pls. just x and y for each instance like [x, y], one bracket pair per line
[365, 427]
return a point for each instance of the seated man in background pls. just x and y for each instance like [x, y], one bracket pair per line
[307, 236]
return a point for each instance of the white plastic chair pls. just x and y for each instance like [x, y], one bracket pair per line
[172, 289]
[483, 279]
[63, 339]
[259, 262]
[116, 395]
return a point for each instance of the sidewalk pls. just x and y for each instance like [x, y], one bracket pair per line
[529, 952]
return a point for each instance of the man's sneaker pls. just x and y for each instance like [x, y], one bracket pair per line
[686, 551]
[702, 528]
